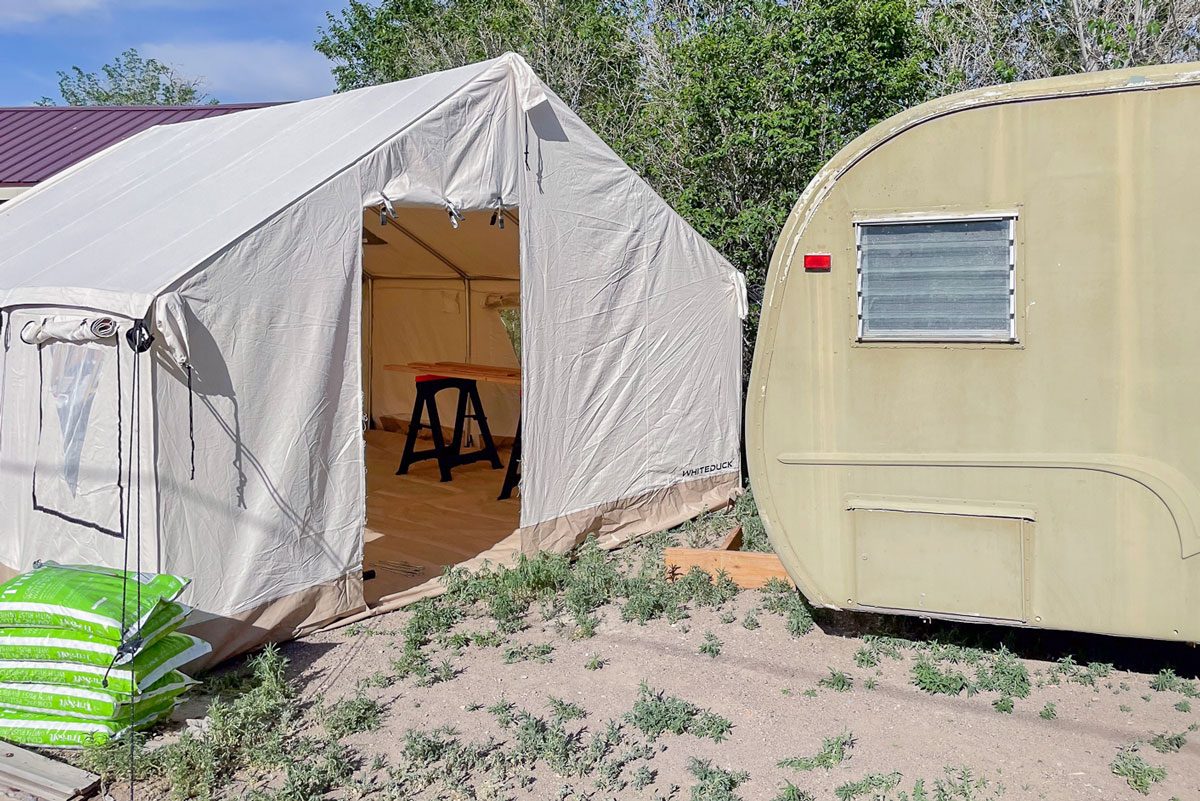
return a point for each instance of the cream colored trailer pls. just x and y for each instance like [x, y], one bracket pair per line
[976, 388]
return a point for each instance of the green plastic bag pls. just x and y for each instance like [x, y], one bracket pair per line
[55, 731]
[109, 604]
[138, 675]
[67, 645]
[89, 704]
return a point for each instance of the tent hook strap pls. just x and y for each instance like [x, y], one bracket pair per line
[139, 337]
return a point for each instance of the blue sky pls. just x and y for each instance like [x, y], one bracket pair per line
[246, 50]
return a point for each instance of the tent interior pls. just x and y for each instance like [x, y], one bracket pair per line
[435, 290]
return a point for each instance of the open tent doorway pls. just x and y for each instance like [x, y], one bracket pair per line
[437, 289]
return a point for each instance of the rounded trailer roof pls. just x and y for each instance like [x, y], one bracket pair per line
[1136, 79]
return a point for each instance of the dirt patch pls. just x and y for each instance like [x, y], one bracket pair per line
[599, 680]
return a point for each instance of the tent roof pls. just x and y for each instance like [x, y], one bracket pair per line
[157, 205]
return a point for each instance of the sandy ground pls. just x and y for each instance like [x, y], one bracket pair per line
[759, 682]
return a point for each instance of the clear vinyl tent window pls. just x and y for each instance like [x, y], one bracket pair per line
[937, 280]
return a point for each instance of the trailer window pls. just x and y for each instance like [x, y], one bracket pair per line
[938, 280]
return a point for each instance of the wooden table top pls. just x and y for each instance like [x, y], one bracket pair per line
[479, 372]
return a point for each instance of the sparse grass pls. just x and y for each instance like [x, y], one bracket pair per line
[837, 681]
[1139, 774]
[655, 713]
[781, 598]
[873, 785]
[1003, 673]
[255, 728]
[1069, 671]
[565, 710]
[790, 792]
[958, 784]
[594, 663]
[711, 646]
[1168, 681]
[351, 716]
[928, 677]
[1003, 704]
[643, 777]
[538, 652]
[1168, 743]
[750, 621]
[754, 534]
[714, 784]
[1183, 706]
[834, 751]
[1049, 711]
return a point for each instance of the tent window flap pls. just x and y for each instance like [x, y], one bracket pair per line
[77, 473]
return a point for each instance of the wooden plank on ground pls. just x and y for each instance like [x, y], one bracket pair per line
[748, 569]
[28, 775]
[731, 541]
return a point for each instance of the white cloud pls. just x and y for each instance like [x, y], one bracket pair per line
[16, 13]
[24, 12]
[248, 70]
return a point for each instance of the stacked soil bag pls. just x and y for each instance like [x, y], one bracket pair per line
[88, 652]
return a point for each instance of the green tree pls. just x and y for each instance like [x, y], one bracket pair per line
[581, 48]
[129, 80]
[984, 42]
[752, 97]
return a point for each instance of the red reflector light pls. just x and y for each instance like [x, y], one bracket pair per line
[816, 262]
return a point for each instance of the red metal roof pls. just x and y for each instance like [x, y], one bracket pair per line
[36, 142]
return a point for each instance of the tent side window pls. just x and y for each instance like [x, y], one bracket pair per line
[936, 280]
[76, 476]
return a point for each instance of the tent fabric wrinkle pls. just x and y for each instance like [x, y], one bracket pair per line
[283, 258]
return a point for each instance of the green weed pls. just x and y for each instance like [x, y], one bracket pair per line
[1049, 711]
[834, 751]
[790, 792]
[254, 728]
[539, 652]
[837, 681]
[781, 598]
[875, 785]
[565, 710]
[1167, 680]
[1139, 774]
[351, 716]
[655, 713]
[1168, 743]
[715, 784]
[711, 646]
[928, 677]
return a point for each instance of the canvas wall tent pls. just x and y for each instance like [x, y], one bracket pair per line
[240, 241]
[974, 389]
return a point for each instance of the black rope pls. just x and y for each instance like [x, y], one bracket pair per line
[135, 426]
[191, 423]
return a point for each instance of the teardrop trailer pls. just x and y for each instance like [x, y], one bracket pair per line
[197, 320]
[974, 388]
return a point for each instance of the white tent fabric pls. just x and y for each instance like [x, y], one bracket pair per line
[238, 239]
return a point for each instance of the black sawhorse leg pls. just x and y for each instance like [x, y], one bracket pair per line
[448, 455]
[512, 476]
[469, 396]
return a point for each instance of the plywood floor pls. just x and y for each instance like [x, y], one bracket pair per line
[416, 525]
